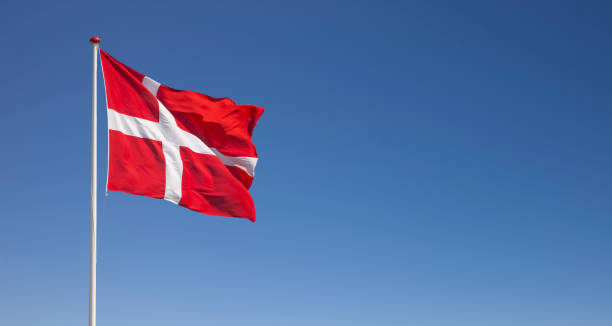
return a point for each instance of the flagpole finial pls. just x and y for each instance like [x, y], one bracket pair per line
[94, 40]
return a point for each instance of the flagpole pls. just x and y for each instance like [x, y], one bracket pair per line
[93, 228]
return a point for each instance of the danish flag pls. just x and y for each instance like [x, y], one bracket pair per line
[185, 147]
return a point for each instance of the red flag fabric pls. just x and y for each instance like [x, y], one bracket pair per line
[188, 148]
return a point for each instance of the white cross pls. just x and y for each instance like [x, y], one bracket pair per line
[172, 138]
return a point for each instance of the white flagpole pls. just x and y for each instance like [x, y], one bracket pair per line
[95, 41]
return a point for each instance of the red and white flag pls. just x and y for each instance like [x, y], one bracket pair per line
[188, 148]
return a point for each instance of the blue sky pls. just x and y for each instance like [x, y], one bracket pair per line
[421, 163]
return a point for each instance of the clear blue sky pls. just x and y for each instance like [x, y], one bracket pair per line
[421, 163]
